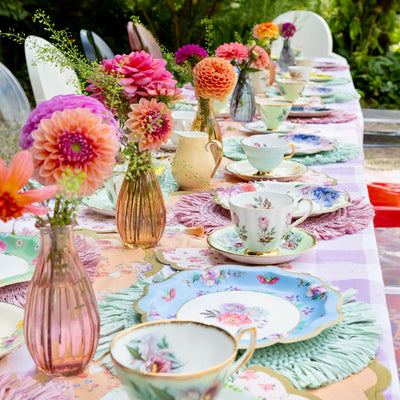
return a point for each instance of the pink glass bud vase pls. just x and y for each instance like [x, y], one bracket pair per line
[61, 322]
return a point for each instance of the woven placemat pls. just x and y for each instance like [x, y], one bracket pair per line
[340, 153]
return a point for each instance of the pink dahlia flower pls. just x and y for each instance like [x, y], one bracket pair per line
[137, 73]
[151, 124]
[233, 51]
[76, 140]
[260, 57]
[190, 50]
[60, 103]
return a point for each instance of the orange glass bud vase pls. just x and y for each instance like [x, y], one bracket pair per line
[141, 214]
[61, 322]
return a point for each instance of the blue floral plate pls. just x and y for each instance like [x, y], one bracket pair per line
[309, 112]
[284, 306]
[324, 198]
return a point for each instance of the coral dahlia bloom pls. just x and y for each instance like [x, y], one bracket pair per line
[76, 140]
[261, 59]
[233, 52]
[214, 78]
[151, 124]
[13, 202]
[266, 30]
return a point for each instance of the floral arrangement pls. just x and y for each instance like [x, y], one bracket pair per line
[264, 34]
[214, 78]
[287, 30]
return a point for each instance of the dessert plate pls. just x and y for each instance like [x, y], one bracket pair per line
[227, 242]
[286, 171]
[18, 256]
[299, 111]
[321, 77]
[232, 296]
[324, 198]
[11, 332]
[259, 126]
[320, 91]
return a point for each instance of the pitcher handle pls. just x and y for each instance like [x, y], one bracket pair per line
[306, 215]
[291, 154]
[220, 153]
[250, 349]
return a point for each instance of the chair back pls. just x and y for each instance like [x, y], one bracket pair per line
[48, 78]
[14, 112]
[141, 39]
[313, 36]
[94, 47]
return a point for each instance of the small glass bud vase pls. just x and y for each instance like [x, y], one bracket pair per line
[286, 58]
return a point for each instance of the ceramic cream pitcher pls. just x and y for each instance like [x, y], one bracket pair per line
[193, 165]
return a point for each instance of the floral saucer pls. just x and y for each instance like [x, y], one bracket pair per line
[320, 91]
[308, 112]
[11, 332]
[227, 242]
[259, 126]
[324, 198]
[232, 296]
[286, 171]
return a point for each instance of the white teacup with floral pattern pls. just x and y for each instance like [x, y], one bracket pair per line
[266, 153]
[273, 113]
[175, 359]
[263, 219]
[300, 72]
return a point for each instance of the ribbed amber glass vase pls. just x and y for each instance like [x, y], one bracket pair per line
[141, 214]
[61, 322]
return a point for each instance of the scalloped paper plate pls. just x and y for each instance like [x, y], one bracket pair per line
[231, 296]
[11, 332]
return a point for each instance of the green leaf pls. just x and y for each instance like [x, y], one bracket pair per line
[161, 394]
[134, 353]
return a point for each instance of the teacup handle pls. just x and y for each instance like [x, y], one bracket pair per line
[220, 153]
[303, 218]
[291, 154]
[250, 349]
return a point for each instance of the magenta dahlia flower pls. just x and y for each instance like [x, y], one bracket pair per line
[59, 103]
[137, 73]
[190, 50]
[287, 30]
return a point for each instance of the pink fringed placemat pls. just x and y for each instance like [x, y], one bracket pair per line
[89, 255]
[199, 209]
[335, 117]
[331, 69]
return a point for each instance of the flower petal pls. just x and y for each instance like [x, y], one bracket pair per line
[19, 173]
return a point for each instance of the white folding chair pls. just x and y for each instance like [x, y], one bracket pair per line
[313, 36]
[48, 78]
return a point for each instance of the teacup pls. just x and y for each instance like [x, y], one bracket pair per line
[305, 61]
[177, 359]
[291, 89]
[273, 113]
[182, 121]
[263, 219]
[300, 72]
[266, 153]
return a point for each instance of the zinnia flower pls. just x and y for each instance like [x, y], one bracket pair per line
[261, 59]
[190, 50]
[59, 103]
[214, 78]
[287, 30]
[151, 124]
[75, 140]
[137, 72]
[233, 52]
[13, 202]
[266, 30]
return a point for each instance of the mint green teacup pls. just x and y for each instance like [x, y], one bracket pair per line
[291, 89]
[273, 113]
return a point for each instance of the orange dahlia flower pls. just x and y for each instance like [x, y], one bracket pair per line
[266, 30]
[214, 78]
[151, 124]
[13, 202]
[74, 139]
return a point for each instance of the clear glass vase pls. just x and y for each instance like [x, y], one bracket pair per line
[205, 121]
[141, 214]
[286, 58]
[61, 322]
[243, 105]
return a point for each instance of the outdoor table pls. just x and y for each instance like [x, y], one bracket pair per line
[348, 261]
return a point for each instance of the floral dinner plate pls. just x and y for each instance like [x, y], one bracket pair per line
[18, 256]
[307, 112]
[324, 198]
[320, 91]
[227, 242]
[286, 171]
[321, 77]
[258, 126]
[11, 332]
[232, 296]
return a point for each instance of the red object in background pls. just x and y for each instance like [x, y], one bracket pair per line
[385, 197]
